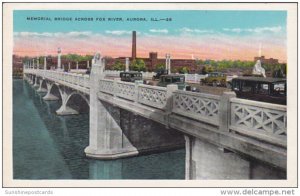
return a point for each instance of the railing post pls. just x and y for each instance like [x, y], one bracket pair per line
[224, 111]
[136, 92]
[115, 85]
[171, 88]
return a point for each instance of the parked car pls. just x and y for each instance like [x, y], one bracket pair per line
[165, 80]
[271, 90]
[131, 76]
[215, 79]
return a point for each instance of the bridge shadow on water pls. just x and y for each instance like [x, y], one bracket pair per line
[59, 153]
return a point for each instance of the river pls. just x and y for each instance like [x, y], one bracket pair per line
[47, 146]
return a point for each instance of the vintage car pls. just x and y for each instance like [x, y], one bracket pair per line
[131, 76]
[271, 90]
[215, 79]
[164, 80]
[160, 73]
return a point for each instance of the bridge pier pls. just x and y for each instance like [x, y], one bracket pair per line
[36, 82]
[107, 140]
[49, 96]
[41, 89]
[208, 161]
[116, 133]
[30, 79]
[64, 109]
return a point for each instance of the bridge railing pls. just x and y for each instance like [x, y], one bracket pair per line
[153, 96]
[261, 120]
[198, 106]
[126, 90]
[81, 80]
[107, 86]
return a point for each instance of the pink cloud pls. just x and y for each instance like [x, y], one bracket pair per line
[204, 47]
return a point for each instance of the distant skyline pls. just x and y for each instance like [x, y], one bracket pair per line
[218, 35]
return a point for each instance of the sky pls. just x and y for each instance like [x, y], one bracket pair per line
[190, 34]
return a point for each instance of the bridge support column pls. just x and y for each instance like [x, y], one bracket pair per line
[49, 96]
[64, 109]
[35, 82]
[41, 89]
[208, 161]
[31, 78]
[107, 141]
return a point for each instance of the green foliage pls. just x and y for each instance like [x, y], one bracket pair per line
[138, 65]
[159, 66]
[41, 60]
[210, 69]
[174, 70]
[199, 62]
[76, 57]
[184, 70]
[224, 64]
[118, 66]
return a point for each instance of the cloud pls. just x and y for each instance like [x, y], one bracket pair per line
[76, 34]
[79, 33]
[164, 31]
[274, 29]
[32, 34]
[188, 30]
[118, 32]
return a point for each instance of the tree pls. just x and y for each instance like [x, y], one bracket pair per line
[199, 62]
[118, 66]
[184, 70]
[204, 70]
[41, 60]
[159, 66]
[138, 65]
[174, 69]
[210, 69]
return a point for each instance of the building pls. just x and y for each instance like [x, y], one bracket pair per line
[269, 61]
[17, 65]
[152, 61]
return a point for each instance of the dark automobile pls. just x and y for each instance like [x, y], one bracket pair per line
[164, 80]
[271, 90]
[131, 76]
[160, 73]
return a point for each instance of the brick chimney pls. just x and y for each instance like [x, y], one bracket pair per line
[133, 45]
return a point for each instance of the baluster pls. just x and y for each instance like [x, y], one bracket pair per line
[224, 110]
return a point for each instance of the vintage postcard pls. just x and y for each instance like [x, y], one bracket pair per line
[151, 95]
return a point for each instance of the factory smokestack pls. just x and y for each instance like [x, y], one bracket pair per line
[133, 45]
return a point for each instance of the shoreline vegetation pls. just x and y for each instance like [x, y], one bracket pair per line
[200, 66]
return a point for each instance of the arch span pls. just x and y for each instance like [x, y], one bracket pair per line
[55, 90]
[44, 84]
[81, 95]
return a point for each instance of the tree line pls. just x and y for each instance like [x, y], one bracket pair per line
[202, 66]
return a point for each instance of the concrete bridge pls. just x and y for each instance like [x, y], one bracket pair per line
[225, 137]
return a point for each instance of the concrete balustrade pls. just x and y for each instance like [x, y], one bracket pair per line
[220, 111]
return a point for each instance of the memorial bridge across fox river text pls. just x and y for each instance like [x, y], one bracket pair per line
[225, 137]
